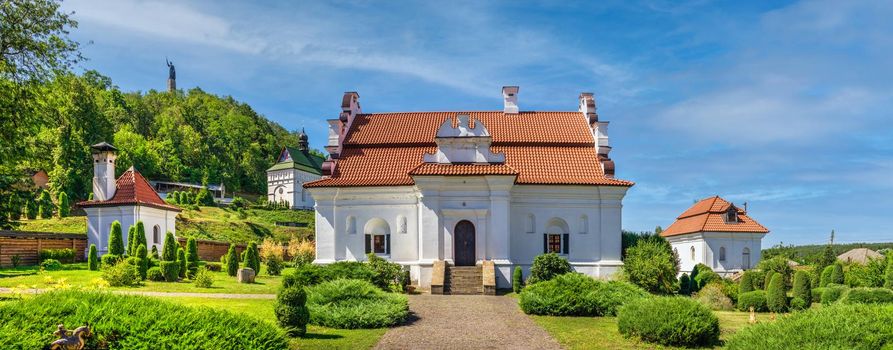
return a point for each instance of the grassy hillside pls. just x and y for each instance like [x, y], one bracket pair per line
[810, 253]
[207, 223]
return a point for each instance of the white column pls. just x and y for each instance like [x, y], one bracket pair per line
[430, 224]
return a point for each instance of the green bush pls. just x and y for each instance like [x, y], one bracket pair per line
[203, 278]
[837, 276]
[684, 284]
[131, 234]
[122, 274]
[140, 235]
[817, 294]
[832, 293]
[170, 269]
[702, 275]
[116, 242]
[767, 278]
[274, 265]
[239, 202]
[143, 255]
[30, 209]
[651, 264]
[746, 283]
[232, 261]
[155, 274]
[517, 279]
[93, 259]
[385, 274]
[181, 259]
[779, 265]
[30, 323]
[802, 290]
[354, 304]
[755, 299]
[712, 296]
[870, 274]
[888, 274]
[155, 253]
[675, 321]
[310, 274]
[867, 296]
[574, 294]
[51, 265]
[212, 266]
[291, 310]
[45, 208]
[191, 256]
[833, 327]
[798, 303]
[64, 205]
[169, 249]
[110, 260]
[826, 276]
[65, 255]
[547, 266]
[252, 257]
[776, 294]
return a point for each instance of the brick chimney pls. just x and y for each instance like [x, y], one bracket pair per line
[350, 108]
[104, 156]
[587, 107]
[510, 97]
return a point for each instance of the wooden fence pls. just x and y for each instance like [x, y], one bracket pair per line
[27, 245]
[211, 250]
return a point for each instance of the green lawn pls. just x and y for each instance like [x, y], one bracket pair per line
[71, 224]
[30, 277]
[316, 338]
[601, 332]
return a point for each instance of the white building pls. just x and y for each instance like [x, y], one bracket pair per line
[715, 233]
[293, 168]
[128, 199]
[465, 187]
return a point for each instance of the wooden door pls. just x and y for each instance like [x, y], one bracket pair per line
[463, 244]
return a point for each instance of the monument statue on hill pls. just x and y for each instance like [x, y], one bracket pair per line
[171, 76]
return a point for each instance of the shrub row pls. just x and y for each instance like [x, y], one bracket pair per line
[65, 255]
[377, 271]
[574, 294]
[677, 321]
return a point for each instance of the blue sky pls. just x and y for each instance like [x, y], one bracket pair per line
[783, 105]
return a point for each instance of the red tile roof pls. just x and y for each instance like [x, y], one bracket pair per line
[708, 215]
[132, 189]
[381, 149]
[462, 169]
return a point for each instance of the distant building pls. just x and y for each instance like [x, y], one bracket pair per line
[40, 178]
[293, 168]
[128, 199]
[718, 234]
[165, 187]
[859, 256]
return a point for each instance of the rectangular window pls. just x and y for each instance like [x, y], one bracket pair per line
[378, 243]
[554, 244]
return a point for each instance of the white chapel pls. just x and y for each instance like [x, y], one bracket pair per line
[293, 168]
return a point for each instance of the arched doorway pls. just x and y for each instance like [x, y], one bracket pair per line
[463, 244]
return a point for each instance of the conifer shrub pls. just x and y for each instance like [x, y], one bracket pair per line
[867, 296]
[574, 294]
[385, 274]
[169, 249]
[155, 253]
[755, 299]
[141, 234]
[517, 279]
[767, 279]
[817, 294]
[252, 257]
[291, 310]
[802, 290]
[203, 278]
[839, 326]
[45, 209]
[181, 259]
[121, 275]
[191, 256]
[93, 258]
[746, 283]
[826, 276]
[155, 274]
[832, 293]
[684, 285]
[310, 274]
[204, 197]
[64, 205]
[776, 294]
[110, 260]
[798, 303]
[672, 321]
[131, 233]
[232, 261]
[31, 208]
[837, 276]
[547, 266]
[170, 270]
[143, 255]
[350, 304]
[132, 322]
[116, 242]
[701, 276]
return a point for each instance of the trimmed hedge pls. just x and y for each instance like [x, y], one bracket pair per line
[676, 321]
[65, 255]
[291, 310]
[122, 274]
[116, 241]
[30, 323]
[776, 294]
[802, 290]
[93, 259]
[832, 293]
[352, 304]
[51, 265]
[825, 278]
[310, 274]
[684, 284]
[155, 274]
[834, 327]
[746, 284]
[837, 276]
[232, 261]
[817, 294]
[170, 270]
[867, 296]
[755, 299]
[574, 294]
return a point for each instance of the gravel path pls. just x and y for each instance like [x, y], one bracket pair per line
[466, 322]
[165, 294]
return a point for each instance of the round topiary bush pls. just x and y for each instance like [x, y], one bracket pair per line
[546, 267]
[755, 299]
[51, 265]
[867, 296]
[838, 326]
[351, 304]
[676, 321]
[574, 294]
[291, 310]
[132, 322]
[123, 274]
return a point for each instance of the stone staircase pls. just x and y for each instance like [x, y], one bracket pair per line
[463, 280]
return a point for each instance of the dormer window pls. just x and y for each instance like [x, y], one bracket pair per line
[732, 214]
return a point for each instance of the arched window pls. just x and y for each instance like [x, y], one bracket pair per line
[156, 234]
[745, 258]
[556, 239]
[378, 236]
[401, 222]
[722, 253]
[584, 224]
[351, 225]
[531, 223]
[692, 253]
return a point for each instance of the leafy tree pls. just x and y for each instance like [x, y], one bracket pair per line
[232, 260]
[93, 259]
[64, 205]
[776, 296]
[169, 249]
[837, 275]
[802, 288]
[651, 265]
[116, 242]
[192, 256]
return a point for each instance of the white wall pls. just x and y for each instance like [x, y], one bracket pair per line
[99, 222]
[290, 181]
[707, 247]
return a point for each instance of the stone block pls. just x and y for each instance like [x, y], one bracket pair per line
[245, 275]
